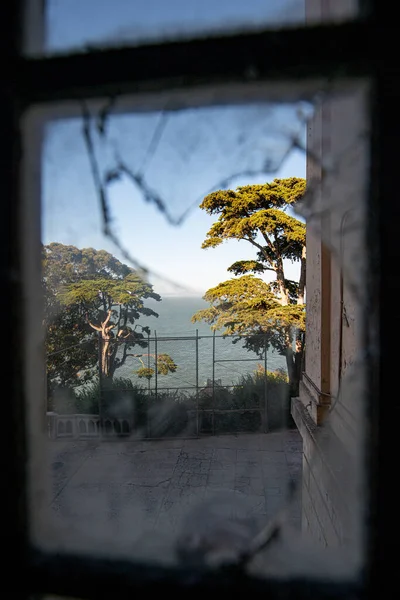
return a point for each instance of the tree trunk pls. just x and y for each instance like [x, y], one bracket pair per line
[107, 362]
[280, 278]
[300, 335]
[290, 364]
[289, 357]
[298, 363]
[105, 365]
[294, 362]
[302, 280]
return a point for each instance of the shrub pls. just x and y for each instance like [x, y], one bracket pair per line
[173, 413]
[62, 400]
[167, 415]
[250, 392]
[120, 399]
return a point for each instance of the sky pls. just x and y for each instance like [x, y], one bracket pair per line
[181, 155]
[80, 23]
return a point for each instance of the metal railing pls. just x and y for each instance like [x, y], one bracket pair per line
[151, 410]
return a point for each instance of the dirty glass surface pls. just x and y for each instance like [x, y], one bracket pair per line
[76, 25]
[152, 436]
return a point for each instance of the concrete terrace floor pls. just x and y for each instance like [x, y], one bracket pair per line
[151, 485]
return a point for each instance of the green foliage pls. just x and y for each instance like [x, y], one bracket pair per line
[70, 346]
[103, 294]
[89, 294]
[277, 376]
[88, 397]
[112, 307]
[118, 398]
[241, 267]
[250, 392]
[267, 313]
[167, 415]
[258, 210]
[247, 306]
[174, 413]
[67, 264]
[145, 373]
[92, 296]
[165, 365]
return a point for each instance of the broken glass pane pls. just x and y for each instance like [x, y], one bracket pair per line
[189, 411]
[86, 25]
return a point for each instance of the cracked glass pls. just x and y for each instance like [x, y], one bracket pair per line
[189, 413]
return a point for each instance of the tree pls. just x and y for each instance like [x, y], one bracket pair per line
[71, 349]
[105, 296]
[164, 362]
[258, 214]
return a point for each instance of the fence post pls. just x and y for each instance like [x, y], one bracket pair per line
[213, 387]
[100, 386]
[197, 381]
[265, 387]
[155, 368]
[148, 386]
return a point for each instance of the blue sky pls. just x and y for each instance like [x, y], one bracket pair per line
[79, 23]
[196, 150]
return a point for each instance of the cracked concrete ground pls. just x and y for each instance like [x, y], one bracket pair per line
[151, 485]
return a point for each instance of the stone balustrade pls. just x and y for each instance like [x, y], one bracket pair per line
[86, 426]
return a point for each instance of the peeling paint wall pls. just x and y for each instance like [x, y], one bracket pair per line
[334, 315]
[313, 273]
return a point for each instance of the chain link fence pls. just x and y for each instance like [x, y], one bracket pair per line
[212, 391]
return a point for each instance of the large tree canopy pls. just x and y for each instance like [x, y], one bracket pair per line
[112, 307]
[246, 305]
[258, 214]
[95, 299]
[71, 348]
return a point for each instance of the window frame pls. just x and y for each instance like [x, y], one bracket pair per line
[345, 50]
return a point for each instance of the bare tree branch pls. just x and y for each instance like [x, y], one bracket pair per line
[93, 326]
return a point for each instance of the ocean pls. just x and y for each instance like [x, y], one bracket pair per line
[174, 321]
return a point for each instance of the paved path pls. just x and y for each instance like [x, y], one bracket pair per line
[151, 485]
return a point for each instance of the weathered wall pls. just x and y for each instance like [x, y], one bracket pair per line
[328, 509]
[334, 317]
[313, 273]
[348, 194]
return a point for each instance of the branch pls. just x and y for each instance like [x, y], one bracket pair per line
[126, 336]
[108, 317]
[286, 248]
[104, 301]
[119, 320]
[268, 241]
[124, 355]
[262, 250]
[254, 244]
[139, 356]
[92, 325]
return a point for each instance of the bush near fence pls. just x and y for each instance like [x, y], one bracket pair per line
[174, 412]
[246, 395]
